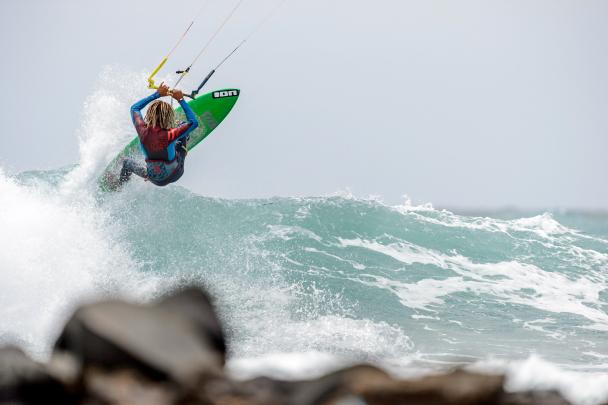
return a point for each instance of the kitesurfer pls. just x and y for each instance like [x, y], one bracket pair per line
[163, 144]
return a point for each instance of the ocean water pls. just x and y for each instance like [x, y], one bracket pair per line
[305, 285]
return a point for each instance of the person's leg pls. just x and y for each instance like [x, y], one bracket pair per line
[130, 166]
[181, 159]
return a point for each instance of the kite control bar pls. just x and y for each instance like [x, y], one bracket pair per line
[203, 83]
[193, 94]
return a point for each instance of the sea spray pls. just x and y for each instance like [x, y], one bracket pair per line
[55, 253]
[106, 125]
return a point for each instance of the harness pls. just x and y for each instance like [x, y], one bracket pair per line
[159, 170]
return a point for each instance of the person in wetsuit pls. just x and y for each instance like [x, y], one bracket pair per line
[163, 145]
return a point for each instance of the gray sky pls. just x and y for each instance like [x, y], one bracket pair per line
[471, 103]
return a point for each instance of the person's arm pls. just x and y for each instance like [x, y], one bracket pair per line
[138, 119]
[190, 125]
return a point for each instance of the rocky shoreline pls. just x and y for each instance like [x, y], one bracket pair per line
[174, 351]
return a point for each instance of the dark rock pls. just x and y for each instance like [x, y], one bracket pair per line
[533, 398]
[344, 385]
[126, 387]
[195, 305]
[24, 381]
[457, 387]
[359, 385]
[268, 391]
[178, 339]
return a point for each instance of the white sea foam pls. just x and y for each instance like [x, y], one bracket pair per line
[285, 232]
[534, 373]
[553, 292]
[409, 206]
[354, 264]
[58, 247]
[544, 225]
[538, 325]
[105, 127]
[286, 366]
[289, 318]
[335, 334]
[55, 253]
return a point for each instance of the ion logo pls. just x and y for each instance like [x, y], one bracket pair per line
[225, 93]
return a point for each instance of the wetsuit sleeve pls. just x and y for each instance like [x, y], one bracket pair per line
[184, 129]
[138, 119]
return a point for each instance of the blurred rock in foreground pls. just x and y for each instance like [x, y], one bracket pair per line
[24, 381]
[173, 352]
[179, 339]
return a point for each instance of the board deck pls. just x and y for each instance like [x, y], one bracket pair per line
[210, 110]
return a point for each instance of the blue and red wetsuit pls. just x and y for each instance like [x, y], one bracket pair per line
[164, 149]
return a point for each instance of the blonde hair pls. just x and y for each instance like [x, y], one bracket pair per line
[160, 114]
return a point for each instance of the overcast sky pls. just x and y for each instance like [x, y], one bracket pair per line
[471, 103]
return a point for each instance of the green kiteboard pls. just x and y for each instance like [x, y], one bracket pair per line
[210, 110]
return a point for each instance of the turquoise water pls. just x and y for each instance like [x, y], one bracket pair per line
[324, 279]
[423, 281]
